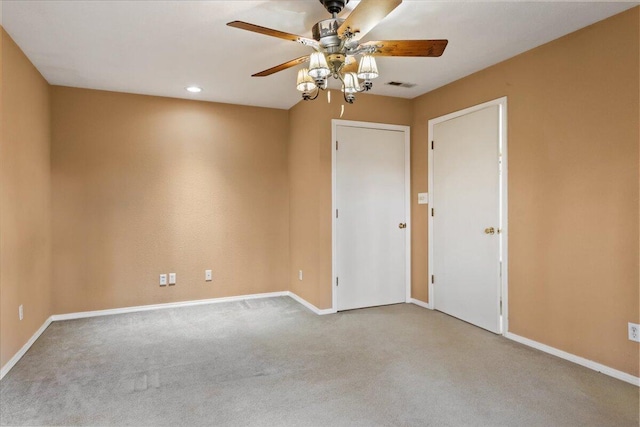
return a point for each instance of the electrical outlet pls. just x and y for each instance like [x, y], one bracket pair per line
[634, 332]
[300, 275]
[172, 278]
[208, 276]
[20, 312]
[163, 280]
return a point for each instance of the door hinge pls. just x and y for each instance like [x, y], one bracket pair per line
[432, 145]
[336, 145]
[337, 281]
[500, 306]
[433, 212]
[433, 279]
[336, 213]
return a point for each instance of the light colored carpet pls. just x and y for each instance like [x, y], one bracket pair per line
[271, 362]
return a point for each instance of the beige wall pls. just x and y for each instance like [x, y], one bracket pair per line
[146, 185]
[25, 200]
[310, 183]
[573, 142]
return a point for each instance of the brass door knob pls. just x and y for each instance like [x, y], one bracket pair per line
[402, 225]
[490, 230]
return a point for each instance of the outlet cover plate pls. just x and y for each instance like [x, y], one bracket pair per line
[172, 278]
[163, 280]
[208, 276]
[634, 332]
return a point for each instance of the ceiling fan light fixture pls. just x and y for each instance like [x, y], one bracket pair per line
[318, 67]
[351, 84]
[336, 42]
[305, 81]
[368, 69]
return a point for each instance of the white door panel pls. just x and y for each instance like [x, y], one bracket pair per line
[466, 199]
[370, 197]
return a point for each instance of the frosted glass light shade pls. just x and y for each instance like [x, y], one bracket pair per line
[305, 81]
[318, 68]
[351, 84]
[368, 69]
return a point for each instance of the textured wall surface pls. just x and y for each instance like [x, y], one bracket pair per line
[310, 183]
[145, 185]
[573, 142]
[25, 200]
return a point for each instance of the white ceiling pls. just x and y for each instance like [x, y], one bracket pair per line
[160, 47]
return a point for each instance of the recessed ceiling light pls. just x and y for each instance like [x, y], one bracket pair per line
[194, 89]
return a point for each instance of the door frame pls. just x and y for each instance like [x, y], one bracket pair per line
[504, 232]
[407, 199]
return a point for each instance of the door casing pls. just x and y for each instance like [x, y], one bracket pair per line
[407, 186]
[504, 232]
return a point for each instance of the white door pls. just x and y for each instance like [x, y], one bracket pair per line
[466, 217]
[370, 201]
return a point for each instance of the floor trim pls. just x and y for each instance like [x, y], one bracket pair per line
[420, 303]
[623, 376]
[84, 314]
[310, 306]
[109, 312]
[16, 357]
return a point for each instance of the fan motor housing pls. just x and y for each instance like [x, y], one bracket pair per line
[326, 32]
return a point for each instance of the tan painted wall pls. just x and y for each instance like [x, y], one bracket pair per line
[573, 142]
[25, 200]
[146, 185]
[310, 183]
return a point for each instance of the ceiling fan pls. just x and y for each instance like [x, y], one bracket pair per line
[336, 42]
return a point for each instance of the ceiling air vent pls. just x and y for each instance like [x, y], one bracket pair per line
[401, 84]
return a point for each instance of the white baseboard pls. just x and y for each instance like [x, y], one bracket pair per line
[421, 303]
[576, 359]
[526, 341]
[310, 306]
[84, 314]
[11, 363]
[108, 312]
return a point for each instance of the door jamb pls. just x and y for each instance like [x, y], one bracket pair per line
[407, 199]
[504, 232]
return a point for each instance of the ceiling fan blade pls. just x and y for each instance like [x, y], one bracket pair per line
[273, 33]
[431, 48]
[281, 67]
[366, 16]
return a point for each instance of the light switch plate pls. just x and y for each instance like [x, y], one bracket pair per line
[172, 278]
[163, 280]
[208, 276]
[423, 198]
